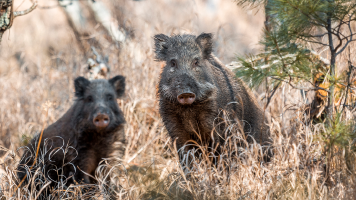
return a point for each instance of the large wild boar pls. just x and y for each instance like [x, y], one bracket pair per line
[195, 86]
[87, 132]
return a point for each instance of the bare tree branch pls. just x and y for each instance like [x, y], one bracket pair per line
[24, 12]
[301, 88]
[315, 42]
[348, 41]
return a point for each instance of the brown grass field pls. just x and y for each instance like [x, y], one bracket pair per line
[40, 57]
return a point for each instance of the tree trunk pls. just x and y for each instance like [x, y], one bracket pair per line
[332, 86]
[6, 16]
[332, 68]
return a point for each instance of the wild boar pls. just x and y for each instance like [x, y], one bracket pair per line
[82, 137]
[194, 88]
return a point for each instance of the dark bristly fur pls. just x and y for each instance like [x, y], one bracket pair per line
[190, 66]
[75, 129]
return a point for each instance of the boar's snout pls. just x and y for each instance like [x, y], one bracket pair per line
[101, 121]
[186, 98]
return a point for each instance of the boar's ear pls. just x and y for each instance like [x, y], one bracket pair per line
[205, 42]
[80, 84]
[161, 47]
[118, 82]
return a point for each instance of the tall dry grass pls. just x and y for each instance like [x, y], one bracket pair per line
[39, 59]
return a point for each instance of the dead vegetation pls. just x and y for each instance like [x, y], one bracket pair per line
[41, 56]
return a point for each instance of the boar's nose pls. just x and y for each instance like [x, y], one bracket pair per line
[101, 120]
[186, 98]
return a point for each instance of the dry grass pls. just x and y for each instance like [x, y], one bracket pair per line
[39, 59]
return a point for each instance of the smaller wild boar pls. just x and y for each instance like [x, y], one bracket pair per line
[195, 86]
[87, 132]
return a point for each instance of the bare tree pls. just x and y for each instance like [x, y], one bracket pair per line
[7, 15]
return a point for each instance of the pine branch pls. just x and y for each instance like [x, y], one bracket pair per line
[295, 23]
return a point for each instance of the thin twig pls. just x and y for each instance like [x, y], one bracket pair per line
[301, 88]
[273, 92]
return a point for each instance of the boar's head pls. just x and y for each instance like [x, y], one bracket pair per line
[187, 77]
[96, 108]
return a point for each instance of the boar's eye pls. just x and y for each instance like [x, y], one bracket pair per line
[89, 99]
[109, 97]
[196, 63]
[173, 63]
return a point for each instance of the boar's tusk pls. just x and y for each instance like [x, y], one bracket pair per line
[20, 13]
